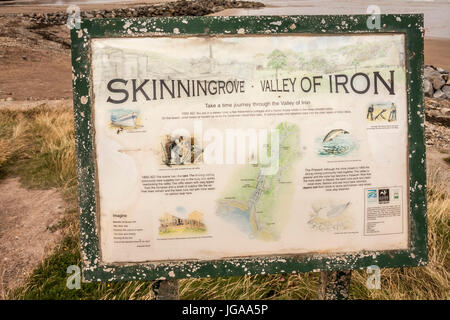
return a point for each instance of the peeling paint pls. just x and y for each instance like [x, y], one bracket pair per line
[84, 99]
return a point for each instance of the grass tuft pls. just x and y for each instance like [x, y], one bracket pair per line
[38, 145]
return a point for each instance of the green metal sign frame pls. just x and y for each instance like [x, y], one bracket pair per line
[411, 25]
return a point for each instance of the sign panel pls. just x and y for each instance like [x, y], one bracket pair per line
[217, 150]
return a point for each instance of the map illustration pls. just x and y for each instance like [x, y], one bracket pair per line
[253, 201]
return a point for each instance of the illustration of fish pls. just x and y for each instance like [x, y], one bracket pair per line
[333, 134]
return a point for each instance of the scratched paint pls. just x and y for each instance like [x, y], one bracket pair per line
[94, 270]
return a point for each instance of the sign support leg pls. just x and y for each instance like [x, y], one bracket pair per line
[166, 290]
[334, 285]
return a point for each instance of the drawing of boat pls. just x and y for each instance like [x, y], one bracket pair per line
[126, 120]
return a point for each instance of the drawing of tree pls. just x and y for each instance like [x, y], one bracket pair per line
[301, 62]
[318, 64]
[277, 60]
[355, 63]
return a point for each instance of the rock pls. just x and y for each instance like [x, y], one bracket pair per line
[427, 88]
[438, 82]
[176, 8]
[439, 94]
[445, 77]
[434, 113]
[446, 89]
[445, 112]
[429, 72]
[10, 99]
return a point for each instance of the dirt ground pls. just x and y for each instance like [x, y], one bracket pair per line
[35, 63]
[37, 212]
[437, 52]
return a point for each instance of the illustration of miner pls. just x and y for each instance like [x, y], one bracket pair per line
[370, 112]
[167, 149]
[393, 113]
[175, 151]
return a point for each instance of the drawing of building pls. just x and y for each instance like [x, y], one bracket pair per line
[173, 224]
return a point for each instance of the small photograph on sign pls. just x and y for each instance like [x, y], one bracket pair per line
[125, 119]
[372, 195]
[331, 216]
[180, 150]
[383, 196]
[337, 142]
[386, 112]
[174, 225]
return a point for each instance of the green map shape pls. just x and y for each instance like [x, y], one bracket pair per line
[252, 200]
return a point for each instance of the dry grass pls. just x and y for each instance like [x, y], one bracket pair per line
[4, 292]
[38, 145]
[5, 151]
[43, 137]
[293, 287]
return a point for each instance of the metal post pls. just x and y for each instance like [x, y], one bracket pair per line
[166, 289]
[334, 285]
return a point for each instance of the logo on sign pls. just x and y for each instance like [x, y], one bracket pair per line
[383, 195]
[372, 195]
